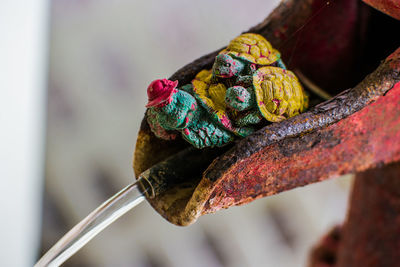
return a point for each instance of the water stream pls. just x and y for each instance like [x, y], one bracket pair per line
[94, 223]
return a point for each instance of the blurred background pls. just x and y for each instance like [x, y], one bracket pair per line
[73, 85]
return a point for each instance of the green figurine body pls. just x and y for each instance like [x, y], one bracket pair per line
[247, 83]
[173, 109]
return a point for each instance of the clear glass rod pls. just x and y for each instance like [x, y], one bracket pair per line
[93, 224]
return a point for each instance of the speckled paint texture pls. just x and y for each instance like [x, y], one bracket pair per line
[182, 113]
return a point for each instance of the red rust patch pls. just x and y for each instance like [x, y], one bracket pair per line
[371, 234]
[365, 139]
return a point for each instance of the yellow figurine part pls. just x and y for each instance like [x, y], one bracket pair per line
[279, 94]
[212, 97]
[252, 47]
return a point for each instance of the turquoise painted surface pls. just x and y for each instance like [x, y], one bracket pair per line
[183, 114]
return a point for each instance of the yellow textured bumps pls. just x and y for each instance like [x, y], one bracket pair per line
[253, 48]
[279, 94]
[213, 95]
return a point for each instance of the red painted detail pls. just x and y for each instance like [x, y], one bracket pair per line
[248, 48]
[240, 99]
[277, 102]
[226, 122]
[394, 55]
[160, 91]
[186, 131]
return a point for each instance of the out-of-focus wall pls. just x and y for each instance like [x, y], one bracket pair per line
[23, 43]
[103, 54]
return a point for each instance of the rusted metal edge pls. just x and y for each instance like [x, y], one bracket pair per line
[150, 150]
[226, 183]
[389, 7]
[331, 111]
[344, 135]
[278, 163]
[287, 18]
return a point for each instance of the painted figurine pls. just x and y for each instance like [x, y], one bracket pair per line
[248, 82]
[244, 55]
[174, 109]
[274, 94]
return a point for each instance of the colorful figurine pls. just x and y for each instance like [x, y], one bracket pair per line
[244, 55]
[248, 82]
[275, 94]
[173, 109]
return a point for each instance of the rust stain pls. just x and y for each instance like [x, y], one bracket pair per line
[371, 233]
[368, 138]
[356, 130]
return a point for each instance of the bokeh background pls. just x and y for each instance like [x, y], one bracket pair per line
[101, 56]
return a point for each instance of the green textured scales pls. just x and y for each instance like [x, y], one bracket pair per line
[183, 114]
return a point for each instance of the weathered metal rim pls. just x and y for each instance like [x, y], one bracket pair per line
[199, 201]
[211, 195]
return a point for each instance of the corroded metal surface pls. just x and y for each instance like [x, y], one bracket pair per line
[282, 28]
[389, 7]
[371, 235]
[341, 106]
[297, 152]
[363, 140]
[324, 254]
[349, 133]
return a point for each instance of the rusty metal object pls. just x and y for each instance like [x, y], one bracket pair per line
[274, 159]
[356, 130]
[371, 234]
[282, 27]
[389, 7]
[324, 254]
[293, 153]
[184, 167]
